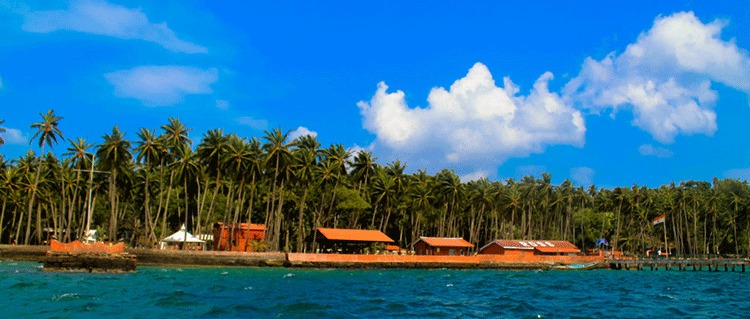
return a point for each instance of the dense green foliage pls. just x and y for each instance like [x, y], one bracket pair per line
[143, 189]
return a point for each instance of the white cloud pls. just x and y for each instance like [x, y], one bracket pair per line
[474, 123]
[665, 77]
[14, 136]
[474, 176]
[222, 104]
[738, 173]
[356, 149]
[582, 176]
[650, 150]
[253, 123]
[102, 18]
[299, 132]
[162, 85]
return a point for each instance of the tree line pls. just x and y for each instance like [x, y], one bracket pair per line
[141, 190]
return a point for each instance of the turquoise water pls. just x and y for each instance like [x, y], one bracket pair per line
[153, 292]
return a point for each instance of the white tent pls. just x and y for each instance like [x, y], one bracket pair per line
[91, 236]
[181, 236]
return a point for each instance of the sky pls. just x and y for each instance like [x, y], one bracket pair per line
[598, 92]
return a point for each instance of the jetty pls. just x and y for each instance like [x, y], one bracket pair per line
[680, 264]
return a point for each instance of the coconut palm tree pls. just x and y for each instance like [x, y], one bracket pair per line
[8, 190]
[277, 160]
[176, 133]
[115, 156]
[47, 133]
[304, 168]
[211, 152]
[150, 151]
[79, 156]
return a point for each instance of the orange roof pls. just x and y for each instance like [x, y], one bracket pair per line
[355, 235]
[545, 246]
[446, 242]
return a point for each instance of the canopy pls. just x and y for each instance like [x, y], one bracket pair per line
[182, 236]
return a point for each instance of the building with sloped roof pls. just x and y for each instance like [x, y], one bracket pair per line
[442, 246]
[239, 237]
[530, 247]
[349, 240]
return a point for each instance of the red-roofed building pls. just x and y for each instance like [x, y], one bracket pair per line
[442, 246]
[349, 240]
[533, 247]
[239, 237]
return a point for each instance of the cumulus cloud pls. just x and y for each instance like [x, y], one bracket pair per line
[650, 150]
[472, 126]
[253, 123]
[665, 77]
[162, 85]
[14, 136]
[299, 132]
[583, 176]
[102, 18]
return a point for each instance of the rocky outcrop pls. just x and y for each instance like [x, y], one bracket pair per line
[92, 262]
[208, 258]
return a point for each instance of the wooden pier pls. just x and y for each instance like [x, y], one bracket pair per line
[682, 264]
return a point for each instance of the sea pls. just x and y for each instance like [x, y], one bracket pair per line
[168, 292]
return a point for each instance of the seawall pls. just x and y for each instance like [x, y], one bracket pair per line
[153, 257]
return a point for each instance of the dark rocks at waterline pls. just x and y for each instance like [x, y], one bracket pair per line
[89, 262]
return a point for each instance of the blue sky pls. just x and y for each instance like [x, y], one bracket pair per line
[594, 91]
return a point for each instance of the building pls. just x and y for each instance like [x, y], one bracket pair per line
[239, 237]
[442, 246]
[530, 247]
[334, 240]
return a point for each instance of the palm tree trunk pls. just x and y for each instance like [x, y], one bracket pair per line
[112, 206]
[166, 207]
[2, 218]
[300, 222]
[38, 223]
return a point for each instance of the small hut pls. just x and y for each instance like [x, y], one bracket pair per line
[239, 237]
[442, 246]
[350, 241]
[182, 240]
[534, 247]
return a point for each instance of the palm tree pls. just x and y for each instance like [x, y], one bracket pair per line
[211, 152]
[175, 138]
[47, 134]
[150, 150]
[337, 156]
[451, 189]
[175, 133]
[238, 160]
[79, 155]
[8, 191]
[304, 168]
[277, 158]
[114, 156]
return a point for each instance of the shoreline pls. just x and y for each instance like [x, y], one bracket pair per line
[215, 259]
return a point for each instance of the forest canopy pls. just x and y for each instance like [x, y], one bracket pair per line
[143, 189]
